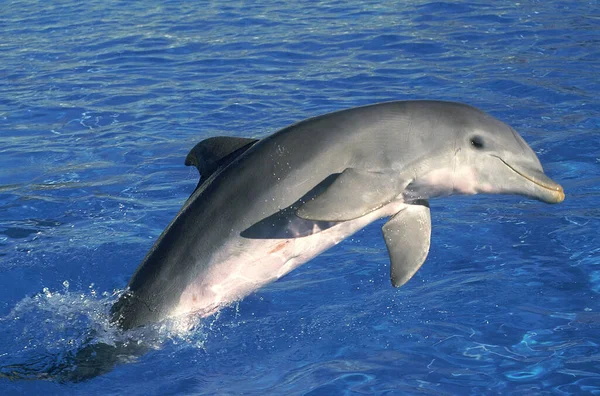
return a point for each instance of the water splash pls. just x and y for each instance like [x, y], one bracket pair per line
[72, 339]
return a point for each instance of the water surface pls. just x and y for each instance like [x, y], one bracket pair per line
[100, 102]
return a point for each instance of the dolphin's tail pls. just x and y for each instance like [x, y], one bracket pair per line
[84, 364]
[98, 359]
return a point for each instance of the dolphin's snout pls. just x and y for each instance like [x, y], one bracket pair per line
[560, 196]
[544, 188]
[551, 191]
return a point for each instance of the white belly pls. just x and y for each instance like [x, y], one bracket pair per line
[244, 265]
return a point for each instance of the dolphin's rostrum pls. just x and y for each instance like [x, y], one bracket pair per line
[264, 207]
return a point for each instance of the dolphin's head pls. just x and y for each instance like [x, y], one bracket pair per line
[484, 155]
[502, 162]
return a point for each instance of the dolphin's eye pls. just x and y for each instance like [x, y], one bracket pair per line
[477, 142]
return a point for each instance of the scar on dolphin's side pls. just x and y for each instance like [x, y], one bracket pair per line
[278, 247]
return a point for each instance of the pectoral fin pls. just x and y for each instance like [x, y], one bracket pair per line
[353, 194]
[407, 237]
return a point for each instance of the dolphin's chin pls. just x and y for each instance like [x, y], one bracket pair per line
[540, 186]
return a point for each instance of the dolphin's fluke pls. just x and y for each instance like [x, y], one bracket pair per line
[407, 237]
[90, 361]
[97, 359]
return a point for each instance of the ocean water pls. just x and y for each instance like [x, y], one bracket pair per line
[100, 101]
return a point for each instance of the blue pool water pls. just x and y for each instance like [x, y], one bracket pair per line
[100, 101]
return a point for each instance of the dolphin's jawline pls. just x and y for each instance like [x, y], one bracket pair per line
[554, 188]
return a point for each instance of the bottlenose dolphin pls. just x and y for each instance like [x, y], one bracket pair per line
[264, 207]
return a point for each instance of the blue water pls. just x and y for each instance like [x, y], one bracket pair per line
[100, 101]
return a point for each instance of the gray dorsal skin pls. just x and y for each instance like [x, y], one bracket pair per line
[217, 152]
[407, 237]
[265, 207]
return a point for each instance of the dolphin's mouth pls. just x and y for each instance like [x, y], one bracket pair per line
[552, 192]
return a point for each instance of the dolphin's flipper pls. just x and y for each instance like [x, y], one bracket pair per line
[216, 152]
[407, 237]
[353, 194]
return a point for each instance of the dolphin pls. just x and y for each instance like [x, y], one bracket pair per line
[264, 207]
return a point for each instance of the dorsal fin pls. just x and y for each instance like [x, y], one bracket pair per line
[216, 152]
